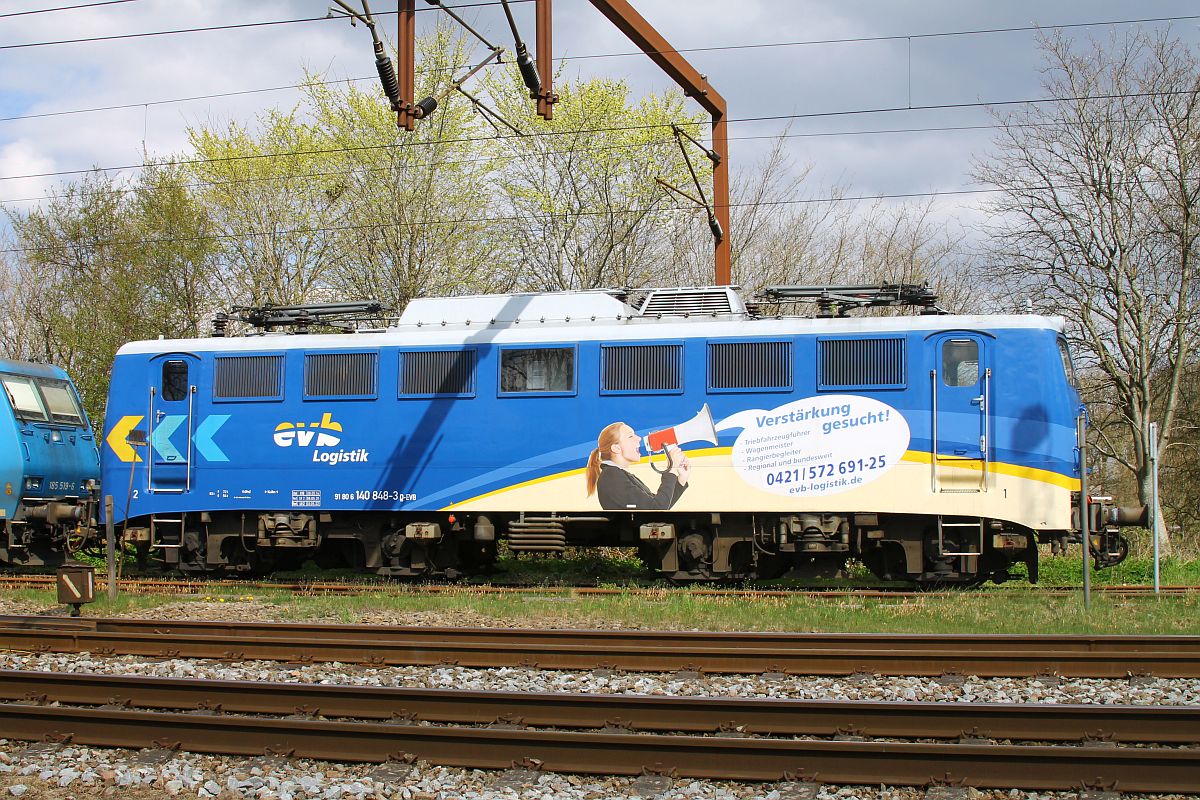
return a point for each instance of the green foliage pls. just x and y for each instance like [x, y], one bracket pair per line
[272, 204]
[583, 190]
[412, 206]
[1067, 571]
[102, 264]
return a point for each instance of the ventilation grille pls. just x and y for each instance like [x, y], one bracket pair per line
[240, 377]
[750, 365]
[861, 362]
[692, 302]
[437, 372]
[339, 374]
[642, 368]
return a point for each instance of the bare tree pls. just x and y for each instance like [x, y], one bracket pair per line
[272, 205]
[416, 204]
[87, 277]
[782, 234]
[580, 190]
[1097, 220]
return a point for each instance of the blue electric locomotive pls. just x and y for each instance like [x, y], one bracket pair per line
[49, 466]
[722, 442]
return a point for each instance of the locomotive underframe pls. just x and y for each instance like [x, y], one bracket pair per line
[683, 547]
[40, 533]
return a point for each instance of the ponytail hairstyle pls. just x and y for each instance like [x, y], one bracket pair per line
[608, 437]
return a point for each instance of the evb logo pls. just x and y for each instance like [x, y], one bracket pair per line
[318, 434]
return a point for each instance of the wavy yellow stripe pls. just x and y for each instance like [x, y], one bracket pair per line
[1015, 470]
[913, 456]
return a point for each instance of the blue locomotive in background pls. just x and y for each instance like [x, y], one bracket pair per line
[49, 467]
[721, 441]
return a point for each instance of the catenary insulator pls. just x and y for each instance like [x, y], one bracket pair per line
[426, 107]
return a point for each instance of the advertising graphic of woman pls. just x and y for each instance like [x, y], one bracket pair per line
[618, 489]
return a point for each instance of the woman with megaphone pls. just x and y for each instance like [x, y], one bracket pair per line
[618, 489]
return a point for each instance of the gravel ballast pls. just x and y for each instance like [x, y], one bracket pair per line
[63, 772]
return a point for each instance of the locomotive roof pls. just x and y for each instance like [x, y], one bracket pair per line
[584, 316]
[16, 367]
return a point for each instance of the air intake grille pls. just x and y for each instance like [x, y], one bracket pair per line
[680, 302]
[241, 377]
[866, 363]
[437, 372]
[339, 374]
[642, 368]
[749, 365]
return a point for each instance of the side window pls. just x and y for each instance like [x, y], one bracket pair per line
[174, 380]
[960, 362]
[542, 369]
[24, 398]
[1068, 367]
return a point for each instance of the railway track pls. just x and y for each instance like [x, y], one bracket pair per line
[990, 655]
[730, 739]
[165, 586]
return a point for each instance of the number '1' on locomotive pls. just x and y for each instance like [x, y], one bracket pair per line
[720, 441]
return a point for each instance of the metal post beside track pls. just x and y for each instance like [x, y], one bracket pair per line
[110, 546]
[1085, 534]
[1155, 516]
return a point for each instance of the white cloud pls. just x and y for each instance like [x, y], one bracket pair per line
[22, 157]
[755, 82]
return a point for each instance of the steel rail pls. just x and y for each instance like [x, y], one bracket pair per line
[703, 714]
[776, 640]
[807, 654]
[1142, 769]
[151, 585]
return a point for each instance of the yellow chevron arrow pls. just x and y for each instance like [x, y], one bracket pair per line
[117, 439]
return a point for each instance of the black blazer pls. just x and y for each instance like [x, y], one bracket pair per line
[620, 490]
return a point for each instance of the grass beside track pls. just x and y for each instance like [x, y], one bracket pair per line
[1015, 607]
[1001, 610]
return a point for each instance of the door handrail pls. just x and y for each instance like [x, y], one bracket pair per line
[188, 467]
[933, 449]
[150, 445]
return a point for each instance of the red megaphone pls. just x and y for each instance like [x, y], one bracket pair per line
[699, 428]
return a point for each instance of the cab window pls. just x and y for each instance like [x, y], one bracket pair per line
[960, 362]
[174, 380]
[60, 401]
[24, 397]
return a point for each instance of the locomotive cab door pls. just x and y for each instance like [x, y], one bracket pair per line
[172, 406]
[961, 396]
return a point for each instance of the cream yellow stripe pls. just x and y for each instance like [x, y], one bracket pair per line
[913, 456]
[522, 485]
[1015, 470]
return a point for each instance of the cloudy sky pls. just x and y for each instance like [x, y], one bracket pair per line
[829, 65]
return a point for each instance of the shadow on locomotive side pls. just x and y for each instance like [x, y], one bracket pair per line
[722, 441]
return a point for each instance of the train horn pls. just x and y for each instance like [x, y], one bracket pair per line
[699, 428]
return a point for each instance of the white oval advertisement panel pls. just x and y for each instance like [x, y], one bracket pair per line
[818, 445]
